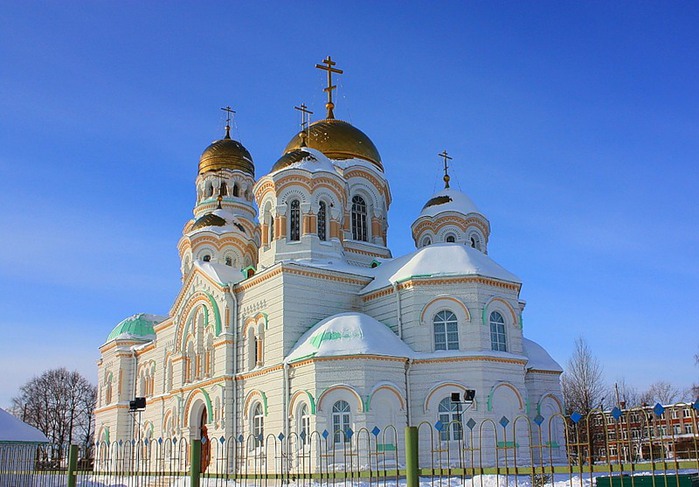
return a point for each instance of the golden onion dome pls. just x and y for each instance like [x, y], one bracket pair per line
[289, 158]
[226, 154]
[337, 140]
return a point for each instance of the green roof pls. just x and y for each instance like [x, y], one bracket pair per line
[136, 326]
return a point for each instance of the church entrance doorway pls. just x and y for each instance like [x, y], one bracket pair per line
[205, 443]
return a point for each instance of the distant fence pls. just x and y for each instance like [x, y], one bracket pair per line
[611, 443]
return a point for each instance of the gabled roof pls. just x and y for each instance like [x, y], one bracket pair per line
[439, 260]
[13, 430]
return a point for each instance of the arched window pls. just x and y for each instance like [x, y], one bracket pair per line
[168, 376]
[426, 241]
[498, 340]
[451, 239]
[450, 417]
[229, 261]
[295, 220]
[271, 228]
[257, 425]
[236, 190]
[108, 390]
[475, 241]
[446, 331]
[209, 190]
[322, 221]
[341, 421]
[223, 191]
[303, 425]
[206, 258]
[359, 215]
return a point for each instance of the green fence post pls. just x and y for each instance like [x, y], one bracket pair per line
[194, 463]
[72, 465]
[412, 477]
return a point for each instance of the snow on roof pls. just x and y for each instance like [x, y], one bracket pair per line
[315, 162]
[138, 326]
[348, 334]
[355, 161]
[223, 274]
[206, 223]
[449, 199]
[15, 431]
[439, 260]
[539, 359]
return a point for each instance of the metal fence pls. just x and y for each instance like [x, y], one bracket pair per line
[533, 451]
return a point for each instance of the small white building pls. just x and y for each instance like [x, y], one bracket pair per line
[294, 316]
[18, 447]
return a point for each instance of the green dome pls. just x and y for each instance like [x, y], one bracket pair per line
[136, 326]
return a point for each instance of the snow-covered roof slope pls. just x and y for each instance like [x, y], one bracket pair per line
[439, 260]
[539, 359]
[348, 334]
[15, 431]
[223, 274]
[449, 199]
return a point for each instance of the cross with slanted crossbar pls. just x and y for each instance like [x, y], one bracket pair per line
[229, 112]
[446, 158]
[305, 115]
[329, 63]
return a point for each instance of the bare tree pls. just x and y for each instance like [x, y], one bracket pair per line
[582, 384]
[60, 404]
[662, 392]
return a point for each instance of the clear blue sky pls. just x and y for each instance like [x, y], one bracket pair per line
[573, 126]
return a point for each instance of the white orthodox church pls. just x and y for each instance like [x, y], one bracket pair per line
[294, 316]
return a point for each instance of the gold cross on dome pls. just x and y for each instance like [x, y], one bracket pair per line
[329, 63]
[446, 158]
[229, 112]
[305, 115]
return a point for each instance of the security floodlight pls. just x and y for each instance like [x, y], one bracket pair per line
[138, 404]
[469, 396]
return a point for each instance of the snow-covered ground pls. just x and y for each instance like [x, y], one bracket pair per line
[558, 480]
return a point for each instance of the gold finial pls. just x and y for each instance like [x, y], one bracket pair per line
[329, 63]
[230, 112]
[446, 158]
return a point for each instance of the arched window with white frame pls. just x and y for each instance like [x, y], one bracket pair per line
[450, 416]
[341, 421]
[295, 220]
[322, 221]
[303, 425]
[359, 219]
[446, 331]
[257, 425]
[498, 339]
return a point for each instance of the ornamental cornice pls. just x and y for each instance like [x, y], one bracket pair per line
[382, 358]
[258, 279]
[349, 246]
[471, 358]
[259, 372]
[429, 281]
[547, 372]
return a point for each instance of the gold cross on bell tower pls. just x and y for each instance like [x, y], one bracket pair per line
[329, 63]
[446, 158]
[229, 111]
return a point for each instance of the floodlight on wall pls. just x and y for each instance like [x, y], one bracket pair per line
[138, 404]
[468, 397]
